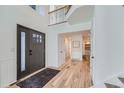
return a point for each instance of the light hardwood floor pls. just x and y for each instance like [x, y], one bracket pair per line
[72, 75]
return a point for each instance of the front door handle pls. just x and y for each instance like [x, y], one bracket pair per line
[30, 52]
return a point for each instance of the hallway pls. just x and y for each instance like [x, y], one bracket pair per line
[72, 75]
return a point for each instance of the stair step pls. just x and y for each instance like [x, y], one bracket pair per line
[121, 79]
[121, 75]
[115, 81]
[111, 85]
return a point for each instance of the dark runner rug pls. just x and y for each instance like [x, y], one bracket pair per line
[39, 79]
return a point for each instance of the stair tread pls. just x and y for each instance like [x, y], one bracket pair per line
[121, 79]
[108, 85]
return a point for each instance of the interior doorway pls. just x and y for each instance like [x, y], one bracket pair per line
[64, 46]
[75, 52]
[30, 51]
[86, 45]
[75, 46]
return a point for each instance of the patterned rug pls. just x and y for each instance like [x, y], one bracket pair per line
[39, 79]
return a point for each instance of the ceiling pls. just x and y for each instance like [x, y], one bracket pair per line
[81, 14]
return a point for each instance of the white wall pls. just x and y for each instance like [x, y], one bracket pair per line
[108, 42]
[76, 52]
[10, 16]
[53, 33]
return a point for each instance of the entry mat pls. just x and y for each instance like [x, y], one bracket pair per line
[38, 80]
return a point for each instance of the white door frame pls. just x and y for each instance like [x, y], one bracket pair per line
[92, 51]
[61, 51]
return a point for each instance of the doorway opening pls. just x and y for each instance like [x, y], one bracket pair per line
[75, 46]
[30, 51]
[86, 46]
[75, 51]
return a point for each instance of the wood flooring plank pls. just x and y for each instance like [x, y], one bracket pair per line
[72, 75]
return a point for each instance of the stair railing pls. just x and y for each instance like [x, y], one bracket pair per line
[58, 16]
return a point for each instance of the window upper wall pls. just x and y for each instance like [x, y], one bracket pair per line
[33, 6]
[40, 9]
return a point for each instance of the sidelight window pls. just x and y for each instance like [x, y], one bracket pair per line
[23, 51]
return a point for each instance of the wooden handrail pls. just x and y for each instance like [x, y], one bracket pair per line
[69, 6]
[58, 9]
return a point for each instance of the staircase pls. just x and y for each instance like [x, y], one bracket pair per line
[115, 82]
[58, 15]
[71, 15]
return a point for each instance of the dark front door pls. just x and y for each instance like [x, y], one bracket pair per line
[36, 50]
[30, 51]
[22, 52]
